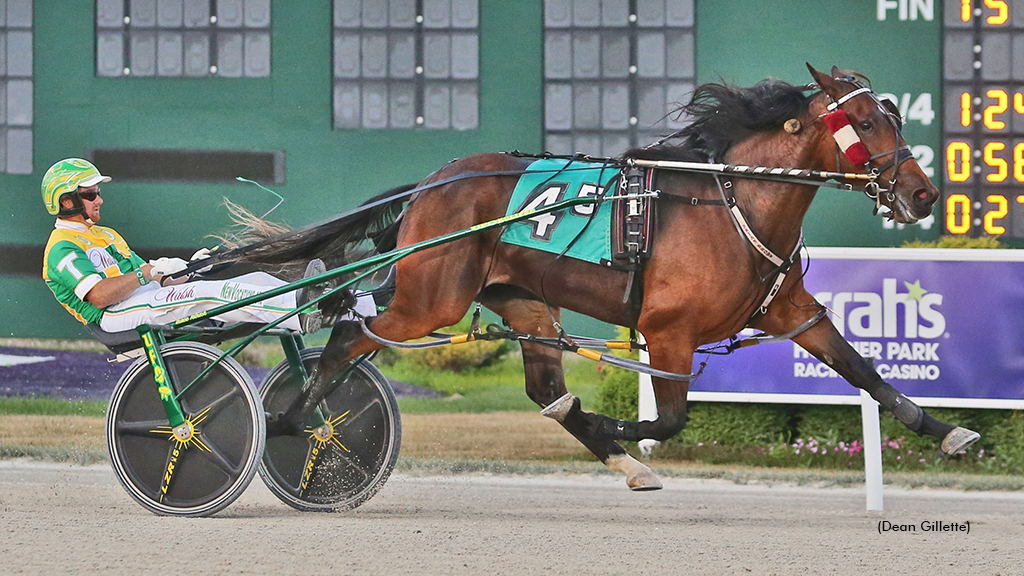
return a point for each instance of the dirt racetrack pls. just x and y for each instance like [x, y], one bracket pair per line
[67, 519]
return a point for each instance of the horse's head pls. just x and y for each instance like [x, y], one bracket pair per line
[868, 131]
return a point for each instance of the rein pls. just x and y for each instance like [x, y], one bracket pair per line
[229, 256]
[818, 178]
[792, 175]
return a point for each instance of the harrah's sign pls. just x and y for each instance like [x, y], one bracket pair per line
[892, 327]
[935, 323]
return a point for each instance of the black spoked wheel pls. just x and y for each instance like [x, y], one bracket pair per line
[208, 464]
[343, 463]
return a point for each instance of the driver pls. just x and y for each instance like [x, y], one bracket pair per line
[100, 280]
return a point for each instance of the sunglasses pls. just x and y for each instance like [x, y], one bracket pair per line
[90, 194]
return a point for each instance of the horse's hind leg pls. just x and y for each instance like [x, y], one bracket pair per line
[545, 385]
[825, 343]
[400, 322]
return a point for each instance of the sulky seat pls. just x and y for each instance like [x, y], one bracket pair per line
[126, 342]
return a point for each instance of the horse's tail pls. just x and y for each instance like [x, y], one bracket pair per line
[278, 248]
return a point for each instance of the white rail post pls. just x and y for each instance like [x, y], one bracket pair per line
[872, 451]
[647, 404]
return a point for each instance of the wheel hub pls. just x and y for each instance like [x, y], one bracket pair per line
[324, 432]
[184, 432]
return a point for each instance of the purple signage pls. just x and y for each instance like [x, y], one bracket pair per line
[937, 323]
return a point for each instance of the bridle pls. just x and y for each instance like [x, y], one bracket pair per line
[897, 156]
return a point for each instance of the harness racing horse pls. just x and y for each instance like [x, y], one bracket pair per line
[702, 283]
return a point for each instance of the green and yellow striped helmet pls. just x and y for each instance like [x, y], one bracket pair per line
[65, 177]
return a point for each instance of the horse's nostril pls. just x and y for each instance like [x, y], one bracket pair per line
[922, 195]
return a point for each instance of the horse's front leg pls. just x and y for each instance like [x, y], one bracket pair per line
[666, 354]
[825, 343]
[545, 385]
[670, 396]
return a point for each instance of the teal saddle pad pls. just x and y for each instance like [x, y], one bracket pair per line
[552, 180]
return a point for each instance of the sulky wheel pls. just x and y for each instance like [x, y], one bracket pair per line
[343, 463]
[213, 461]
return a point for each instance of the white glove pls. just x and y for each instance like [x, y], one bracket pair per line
[201, 254]
[167, 266]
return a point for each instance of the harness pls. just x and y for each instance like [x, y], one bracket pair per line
[848, 141]
[634, 217]
[631, 231]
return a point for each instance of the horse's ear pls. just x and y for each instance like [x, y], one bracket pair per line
[814, 73]
[836, 72]
[824, 81]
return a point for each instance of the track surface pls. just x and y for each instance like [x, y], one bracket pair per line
[64, 519]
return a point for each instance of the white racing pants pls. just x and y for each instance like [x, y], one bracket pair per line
[155, 304]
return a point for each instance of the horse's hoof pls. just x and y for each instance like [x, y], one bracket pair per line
[959, 440]
[278, 425]
[560, 408]
[643, 481]
[638, 476]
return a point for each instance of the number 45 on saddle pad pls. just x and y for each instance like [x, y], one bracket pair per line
[551, 180]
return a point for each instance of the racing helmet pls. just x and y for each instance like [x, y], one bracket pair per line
[63, 179]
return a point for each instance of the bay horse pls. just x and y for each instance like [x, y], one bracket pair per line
[701, 284]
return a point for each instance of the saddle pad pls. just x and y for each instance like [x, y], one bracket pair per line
[552, 180]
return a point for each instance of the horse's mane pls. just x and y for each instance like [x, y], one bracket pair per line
[723, 115]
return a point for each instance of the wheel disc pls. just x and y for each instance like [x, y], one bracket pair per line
[203, 465]
[344, 462]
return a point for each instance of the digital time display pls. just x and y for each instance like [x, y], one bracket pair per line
[983, 126]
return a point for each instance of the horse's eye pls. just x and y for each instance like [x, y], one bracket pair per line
[866, 125]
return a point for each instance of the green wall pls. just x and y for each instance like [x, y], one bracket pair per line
[739, 41]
